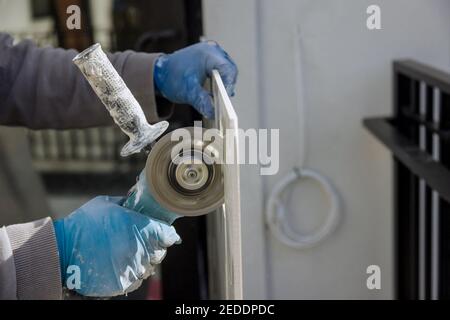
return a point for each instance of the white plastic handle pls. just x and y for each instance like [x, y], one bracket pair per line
[118, 99]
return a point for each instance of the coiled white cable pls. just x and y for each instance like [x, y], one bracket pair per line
[275, 208]
[276, 211]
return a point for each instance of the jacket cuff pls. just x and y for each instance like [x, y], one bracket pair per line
[36, 260]
[138, 75]
[7, 268]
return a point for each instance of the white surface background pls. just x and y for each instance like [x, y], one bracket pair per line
[347, 76]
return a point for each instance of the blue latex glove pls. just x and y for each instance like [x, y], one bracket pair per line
[140, 200]
[115, 248]
[179, 76]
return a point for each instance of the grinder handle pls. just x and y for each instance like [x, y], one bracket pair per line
[118, 99]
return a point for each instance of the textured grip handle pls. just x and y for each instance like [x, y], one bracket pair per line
[118, 99]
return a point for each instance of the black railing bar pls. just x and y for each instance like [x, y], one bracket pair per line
[422, 197]
[435, 208]
[422, 72]
[430, 125]
[408, 153]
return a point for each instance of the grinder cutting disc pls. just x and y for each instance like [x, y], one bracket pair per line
[184, 176]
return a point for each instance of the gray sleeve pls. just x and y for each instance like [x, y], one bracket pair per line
[29, 262]
[41, 88]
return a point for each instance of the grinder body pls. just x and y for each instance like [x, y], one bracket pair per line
[182, 177]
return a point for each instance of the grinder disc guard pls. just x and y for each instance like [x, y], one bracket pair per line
[191, 183]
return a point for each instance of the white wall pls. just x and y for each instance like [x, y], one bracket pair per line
[347, 75]
[101, 15]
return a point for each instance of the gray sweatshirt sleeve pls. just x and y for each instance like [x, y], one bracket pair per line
[29, 262]
[41, 88]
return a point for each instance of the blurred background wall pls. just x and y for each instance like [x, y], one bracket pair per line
[347, 76]
[17, 16]
[58, 171]
[25, 19]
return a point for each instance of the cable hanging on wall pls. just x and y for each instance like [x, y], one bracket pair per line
[276, 208]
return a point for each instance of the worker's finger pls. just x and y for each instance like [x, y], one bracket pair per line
[148, 253]
[200, 99]
[157, 256]
[228, 72]
[144, 251]
[226, 66]
[159, 235]
[156, 238]
[167, 235]
[116, 200]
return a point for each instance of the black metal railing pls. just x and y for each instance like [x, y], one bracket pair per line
[418, 135]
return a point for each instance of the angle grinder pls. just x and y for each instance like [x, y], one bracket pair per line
[180, 178]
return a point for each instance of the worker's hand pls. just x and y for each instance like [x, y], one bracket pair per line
[179, 76]
[113, 248]
[141, 200]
